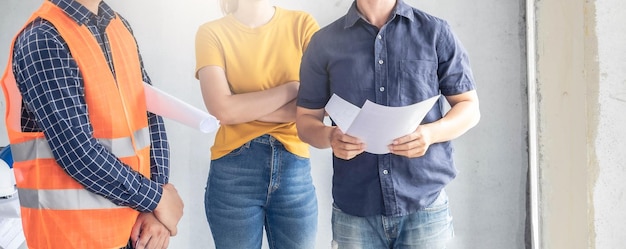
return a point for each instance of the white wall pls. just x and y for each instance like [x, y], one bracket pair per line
[609, 200]
[488, 197]
[582, 96]
[565, 46]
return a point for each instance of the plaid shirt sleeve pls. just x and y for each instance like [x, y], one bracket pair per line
[159, 150]
[52, 91]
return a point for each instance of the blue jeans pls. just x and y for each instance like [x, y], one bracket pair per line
[430, 228]
[261, 185]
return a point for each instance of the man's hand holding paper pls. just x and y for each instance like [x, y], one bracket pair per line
[345, 146]
[412, 145]
[381, 127]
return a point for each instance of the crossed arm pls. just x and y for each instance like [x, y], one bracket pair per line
[276, 105]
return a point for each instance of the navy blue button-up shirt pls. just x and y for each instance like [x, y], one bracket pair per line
[54, 102]
[413, 57]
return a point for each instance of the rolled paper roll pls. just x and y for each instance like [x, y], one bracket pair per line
[163, 104]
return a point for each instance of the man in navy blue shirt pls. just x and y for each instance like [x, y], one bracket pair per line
[392, 54]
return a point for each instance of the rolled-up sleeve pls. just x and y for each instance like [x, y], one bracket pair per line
[454, 71]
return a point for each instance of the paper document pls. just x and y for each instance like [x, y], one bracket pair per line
[11, 233]
[377, 125]
[161, 103]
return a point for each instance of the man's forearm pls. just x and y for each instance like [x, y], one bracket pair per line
[313, 131]
[461, 117]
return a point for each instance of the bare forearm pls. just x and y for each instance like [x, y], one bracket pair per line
[462, 117]
[312, 130]
[284, 114]
[246, 107]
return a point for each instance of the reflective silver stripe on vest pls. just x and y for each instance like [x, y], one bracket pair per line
[120, 147]
[64, 199]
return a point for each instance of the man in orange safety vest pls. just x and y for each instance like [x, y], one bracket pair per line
[91, 163]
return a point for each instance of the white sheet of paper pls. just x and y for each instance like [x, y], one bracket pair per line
[161, 103]
[377, 125]
[342, 112]
[11, 233]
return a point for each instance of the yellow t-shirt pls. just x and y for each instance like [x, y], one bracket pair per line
[256, 59]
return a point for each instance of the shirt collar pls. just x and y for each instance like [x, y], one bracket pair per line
[82, 15]
[401, 9]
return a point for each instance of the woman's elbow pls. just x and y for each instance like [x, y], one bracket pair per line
[224, 117]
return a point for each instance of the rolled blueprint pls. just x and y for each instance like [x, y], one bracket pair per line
[161, 103]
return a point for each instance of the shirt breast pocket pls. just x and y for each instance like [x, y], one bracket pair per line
[417, 80]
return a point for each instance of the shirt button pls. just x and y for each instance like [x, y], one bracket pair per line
[380, 62]
[382, 88]
[379, 37]
[385, 172]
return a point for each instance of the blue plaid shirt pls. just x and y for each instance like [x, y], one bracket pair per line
[53, 102]
[413, 57]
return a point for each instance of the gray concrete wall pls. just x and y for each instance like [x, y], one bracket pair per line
[488, 197]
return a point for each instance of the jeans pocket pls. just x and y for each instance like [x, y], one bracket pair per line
[239, 150]
[336, 209]
[440, 203]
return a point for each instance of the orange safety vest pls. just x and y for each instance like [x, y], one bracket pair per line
[57, 211]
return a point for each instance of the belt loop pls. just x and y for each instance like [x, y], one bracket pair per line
[272, 139]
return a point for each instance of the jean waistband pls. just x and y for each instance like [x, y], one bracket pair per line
[266, 139]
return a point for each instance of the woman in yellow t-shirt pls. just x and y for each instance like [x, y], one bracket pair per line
[248, 64]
